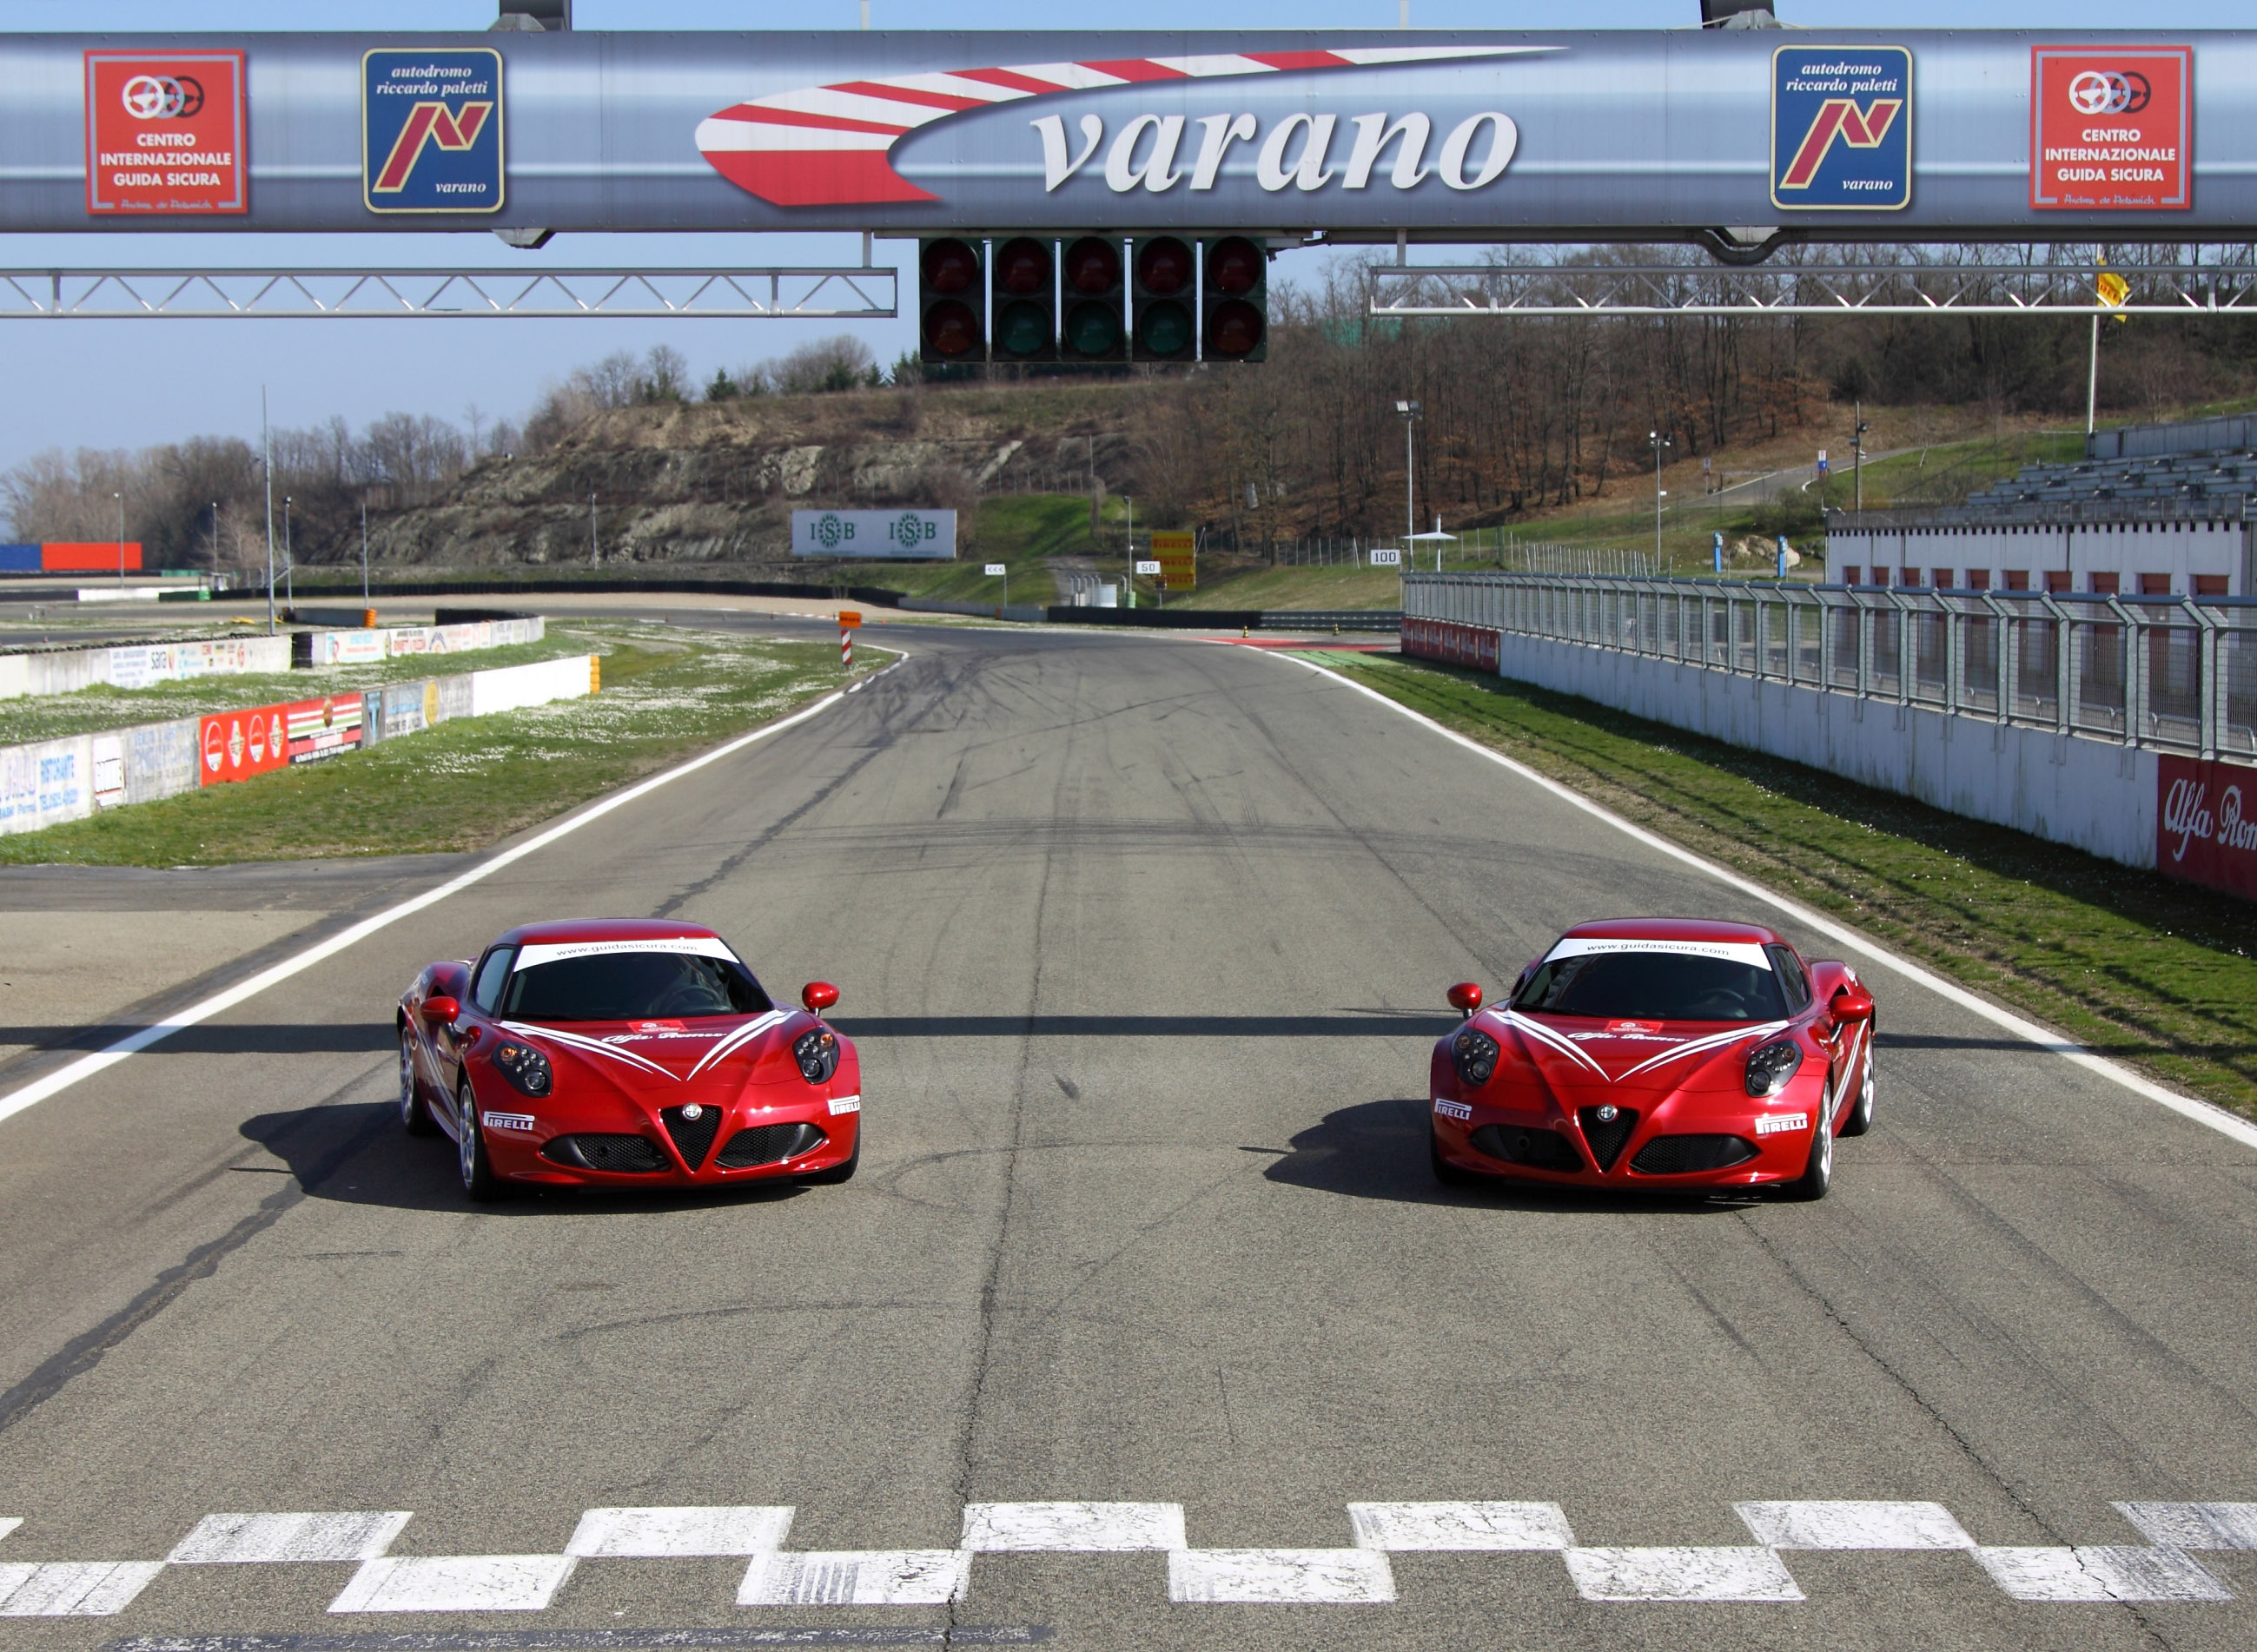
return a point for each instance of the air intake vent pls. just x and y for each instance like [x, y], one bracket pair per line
[1538, 1149]
[1605, 1137]
[768, 1144]
[692, 1139]
[1681, 1155]
[624, 1155]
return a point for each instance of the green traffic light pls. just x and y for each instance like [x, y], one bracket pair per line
[1023, 330]
[1164, 330]
[1092, 329]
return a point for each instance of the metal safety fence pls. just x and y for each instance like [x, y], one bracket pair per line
[2175, 673]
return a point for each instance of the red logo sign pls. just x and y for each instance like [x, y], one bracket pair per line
[2206, 823]
[165, 132]
[238, 745]
[2113, 131]
[431, 124]
[1840, 117]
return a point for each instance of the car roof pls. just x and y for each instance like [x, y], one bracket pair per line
[1675, 929]
[567, 930]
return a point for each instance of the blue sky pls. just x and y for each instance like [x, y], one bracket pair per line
[131, 384]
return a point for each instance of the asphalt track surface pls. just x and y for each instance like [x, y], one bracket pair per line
[1143, 940]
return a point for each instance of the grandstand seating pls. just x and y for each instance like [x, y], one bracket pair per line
[2187, 479]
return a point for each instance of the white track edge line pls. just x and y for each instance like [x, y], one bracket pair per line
[2202, 1112]
[141, 1038]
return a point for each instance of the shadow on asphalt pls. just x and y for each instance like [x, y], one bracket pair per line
[1378, 1150]
[358, 1155]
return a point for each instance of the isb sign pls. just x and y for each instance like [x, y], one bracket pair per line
[878, 536]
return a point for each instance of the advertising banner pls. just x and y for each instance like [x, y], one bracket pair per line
[160, 759]
[238, 745]
[1177, 554]
[2206, 823]
[2113, 128]
[94, 556]
[42, 784]
[896, 536]
[326, 727]
[431, 130]
[165, 133]
[1841, 128]
[108, 755]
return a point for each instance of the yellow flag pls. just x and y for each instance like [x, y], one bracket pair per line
[2113, 290]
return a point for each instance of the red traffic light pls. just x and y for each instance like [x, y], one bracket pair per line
[951, 267]
[951, 328]
[1023, 267]
[1164, 266]
[1234, 265]
[1234, 329]
[1092, 265]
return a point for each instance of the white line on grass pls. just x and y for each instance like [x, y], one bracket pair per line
[2202, 1112]
[142, 1037]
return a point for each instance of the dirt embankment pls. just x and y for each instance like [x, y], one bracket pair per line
[717, 482]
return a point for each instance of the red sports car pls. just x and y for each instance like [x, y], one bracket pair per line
[624, 1054]
[1657, 1053]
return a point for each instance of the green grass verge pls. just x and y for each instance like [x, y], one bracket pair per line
[667, 693]
[97, 709]
[2155, 974]
[1302, 588]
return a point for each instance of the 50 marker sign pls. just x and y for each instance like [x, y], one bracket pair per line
[431, 130]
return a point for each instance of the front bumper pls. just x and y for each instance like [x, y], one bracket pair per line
[1682, 1141]
[615, 1146]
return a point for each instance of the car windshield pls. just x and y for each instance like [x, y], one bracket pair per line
[632, 987]
[1655, 987]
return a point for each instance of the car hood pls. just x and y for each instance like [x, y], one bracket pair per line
[1626, 1059]
[659, 1061]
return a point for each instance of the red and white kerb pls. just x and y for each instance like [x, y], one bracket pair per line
[827, 145]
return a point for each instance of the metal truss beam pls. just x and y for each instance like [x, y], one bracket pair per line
[2227, 287]
[857, 293]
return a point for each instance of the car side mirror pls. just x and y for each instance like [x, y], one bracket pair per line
[440, 1010]
[1852, 1003]
[818, 996]
[1466, 998]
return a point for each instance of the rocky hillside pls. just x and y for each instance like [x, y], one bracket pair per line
[717, 481]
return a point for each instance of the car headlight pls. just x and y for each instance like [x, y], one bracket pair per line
[1474, 1056]
[816, 1052]
[525, 1068]
[1771, 1066]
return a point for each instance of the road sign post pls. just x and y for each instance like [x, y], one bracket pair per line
[849, 621]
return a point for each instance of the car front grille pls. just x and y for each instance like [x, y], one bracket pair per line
[768, 1144]
[693, 1139]
[1538, 1149]
[626, 1155]
[1606, 1137]
[1681, 1155]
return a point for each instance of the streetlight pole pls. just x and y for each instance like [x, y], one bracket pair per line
[1857, 454]
[594, 559]
[120, 497]
[364, 550]
[1411, 412]
[215, 541]
[266, 463]
[289, 567]
[1660, 444]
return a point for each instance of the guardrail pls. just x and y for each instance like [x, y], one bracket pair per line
[2170, 673]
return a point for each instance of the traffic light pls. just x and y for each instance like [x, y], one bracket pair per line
[1023, 302]
[1167, 276]
[1235, 295]
[1096, 324]
[949, 296]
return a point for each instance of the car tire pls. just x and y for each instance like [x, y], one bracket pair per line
[415, 1115]
[1446, 1173]
[1818, 1175]
[1861, 1116]
[843, 1171]
[479, 1182]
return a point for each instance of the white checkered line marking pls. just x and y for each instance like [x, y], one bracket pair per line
[73, 1588]
[9, 1523]
[261, 1539]
[1854, 1526]
[675, 1533]
[1280, 1577]
[1092, 1528]
[1681, 1574]
[2194, 1525]
[456, 1582]
[1447, 1526]
[2100, 1574]
[869, 1578]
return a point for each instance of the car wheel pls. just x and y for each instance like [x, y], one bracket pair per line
[1818, 1175]
[479, 1180]
[843, 1171]
[1861, 1116]
[1446, 1173]
[414, 1117]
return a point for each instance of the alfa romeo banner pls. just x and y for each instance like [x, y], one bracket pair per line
[2206, 823]
[917, 536]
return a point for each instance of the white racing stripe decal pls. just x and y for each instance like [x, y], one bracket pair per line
[1551, 1040]
[586, 1045]
[142, 1038]
[2202, 1112]
[1703, 1045]
[736, 1040]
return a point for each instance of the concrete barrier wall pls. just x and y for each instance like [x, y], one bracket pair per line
[393, 642]
[56, 781]
[139, 665]
[2093, 795]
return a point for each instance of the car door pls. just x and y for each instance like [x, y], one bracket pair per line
[1795, 986]
[450, 1042]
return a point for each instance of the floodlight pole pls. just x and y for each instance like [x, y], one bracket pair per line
[2092, 377]
[1857, 454]
[1659, 442]
[266, 448]
[1411, 412]
[120, 497]
[289, 566]
[364, 550]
